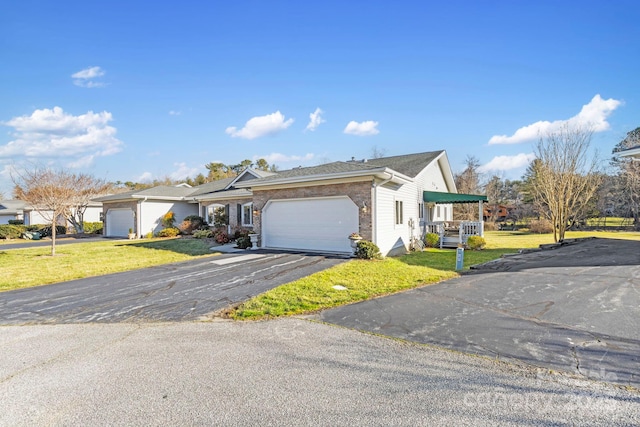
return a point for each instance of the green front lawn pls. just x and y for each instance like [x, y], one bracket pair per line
[369, 279]
[22, 268]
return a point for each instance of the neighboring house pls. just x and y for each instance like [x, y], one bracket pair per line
[498, 212]
[318, 207]
[142, 210]
[634, 153]
[11, 210]
[19, 210]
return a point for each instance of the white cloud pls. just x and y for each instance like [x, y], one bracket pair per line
[183, 171]
[82, 162]
[86, 77]
[283, 158]
[362, 129]
[592, 115]
[261, 126]
[315, 120]
[145, 177]
[503, 163]
[175, 113]
[53, 133]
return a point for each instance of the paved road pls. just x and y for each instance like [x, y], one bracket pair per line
[173, 292]
[287, 372]
[576, 309]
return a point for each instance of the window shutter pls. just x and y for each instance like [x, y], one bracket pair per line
[227, 211]
[239, 213]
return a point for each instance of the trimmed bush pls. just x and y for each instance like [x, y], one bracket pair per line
[192, 223]
[168, 232]
[476, 243]
[10, 231]
[241, 232]
[16, 222]
[221, 236]
[431, 240]
[92, 227]
[202, 234]
[540, 226]
[367, 250]
[243, 242]
[491, 226]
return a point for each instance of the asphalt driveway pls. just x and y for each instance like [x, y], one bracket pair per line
[575, 309]
[172, 292]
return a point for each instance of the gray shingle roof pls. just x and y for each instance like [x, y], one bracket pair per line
[211, 187]
[409, 165]
[12, 207]
[154, 192]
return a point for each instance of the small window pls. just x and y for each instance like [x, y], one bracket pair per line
[399, 213]
[421, 210]
[247, 215]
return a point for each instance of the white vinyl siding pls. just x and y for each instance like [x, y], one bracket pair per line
[388, 234]
[151, 213]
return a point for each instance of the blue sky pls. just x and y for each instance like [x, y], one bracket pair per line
[137, 90]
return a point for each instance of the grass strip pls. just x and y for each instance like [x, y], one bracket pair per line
[22, 268]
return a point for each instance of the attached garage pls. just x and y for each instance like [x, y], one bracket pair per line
[119, 221]
[314, 224]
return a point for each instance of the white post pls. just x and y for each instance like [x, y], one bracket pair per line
[481, 218]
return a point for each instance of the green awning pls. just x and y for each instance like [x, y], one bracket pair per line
[438, 197]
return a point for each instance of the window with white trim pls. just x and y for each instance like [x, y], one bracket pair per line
[247, 215]
[399, 213]
[421, 210]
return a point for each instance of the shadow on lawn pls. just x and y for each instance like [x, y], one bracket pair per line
[193, 247]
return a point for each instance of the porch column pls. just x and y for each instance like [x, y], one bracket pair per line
[480, 218]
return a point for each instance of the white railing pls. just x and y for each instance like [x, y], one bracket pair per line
[454, 232]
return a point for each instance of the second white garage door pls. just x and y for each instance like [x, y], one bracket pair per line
[318, 224]
[119, 221]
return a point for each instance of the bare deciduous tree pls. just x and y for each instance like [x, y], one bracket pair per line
[468, 182]
[86, 188]
[56, 194]
[565, 177]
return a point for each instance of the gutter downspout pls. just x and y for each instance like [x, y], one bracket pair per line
[139, 217]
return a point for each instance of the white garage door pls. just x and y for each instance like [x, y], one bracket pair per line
[319, 224]
[119, 221]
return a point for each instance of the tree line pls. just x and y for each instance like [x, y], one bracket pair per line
[562, 184]
[565, 183]
[216, 171]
